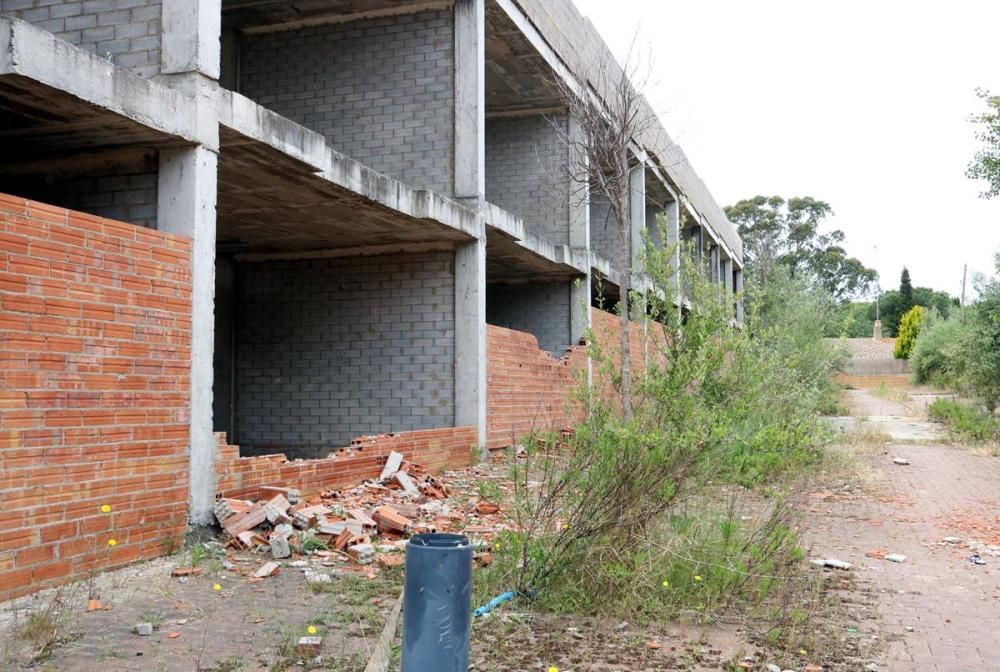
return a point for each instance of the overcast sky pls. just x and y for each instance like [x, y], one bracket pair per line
[860, 104]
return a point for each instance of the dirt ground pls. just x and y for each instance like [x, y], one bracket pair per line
[934, 611]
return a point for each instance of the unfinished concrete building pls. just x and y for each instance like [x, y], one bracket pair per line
[284, 225]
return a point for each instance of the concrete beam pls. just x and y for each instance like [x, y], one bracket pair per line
[38, 55]
[513, 226]
[673, 216]
[470, 99]
[190, 37]
[470, 336]
[187, 201]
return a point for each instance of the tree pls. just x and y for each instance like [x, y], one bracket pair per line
[909, 329]
[985, 165]
[983, 353]
[776, 233]
[609, 122]
[905, 291]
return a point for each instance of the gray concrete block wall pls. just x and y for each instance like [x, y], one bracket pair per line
[127, 32]
[329, 349]
[126, 193]
[526, 172]
[604, 230]
[539, 308]
[381, 90]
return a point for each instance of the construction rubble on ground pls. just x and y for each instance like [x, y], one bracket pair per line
[360, 530]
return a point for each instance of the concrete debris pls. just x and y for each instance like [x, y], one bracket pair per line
[144, 629]
[895, 557]
[901, 461]
[771, 667]
[832, 563]
[951, 540]
[266, 570]
[280, 547]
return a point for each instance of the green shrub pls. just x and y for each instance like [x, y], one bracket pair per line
[966, 421]
[983, 352]
[909, 329]
[939, 353]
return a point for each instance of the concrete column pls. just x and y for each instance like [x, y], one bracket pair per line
[579, 230]
[637, 212]
[470, 99]
[727, 285]
[673, 214]
[739, 300]
[190, 37]
[714, 264]
[186, 207]
[470, 336]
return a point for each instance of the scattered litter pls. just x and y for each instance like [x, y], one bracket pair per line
[771, 667]
[951, 540]
[896, 557]
[310, 646]
[900, 460]
[144, 629]
[833, 563]
[652, 644]
[622, 627]
[97, 605]
[878, 554]
[173, 635]
[185, 571]
[976, 559]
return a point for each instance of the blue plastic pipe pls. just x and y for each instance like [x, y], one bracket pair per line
[494, 603]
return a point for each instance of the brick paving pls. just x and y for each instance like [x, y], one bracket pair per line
[939, 611]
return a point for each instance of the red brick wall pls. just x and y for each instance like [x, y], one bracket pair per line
[530, 390]
[527, 388]
[436, 449]
[95, 321]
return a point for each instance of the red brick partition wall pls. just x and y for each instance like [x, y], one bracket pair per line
[436, 449]
[95, 322]
[530, 390]
[527, 388]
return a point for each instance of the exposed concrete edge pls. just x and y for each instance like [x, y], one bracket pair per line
[40, 56]
[255, 121]
[513, 226]
[602, 267]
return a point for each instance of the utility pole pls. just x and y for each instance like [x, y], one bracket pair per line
[961, 301]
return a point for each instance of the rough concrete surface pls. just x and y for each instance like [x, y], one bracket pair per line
[939, 610]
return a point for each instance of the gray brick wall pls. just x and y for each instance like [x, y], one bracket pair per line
[539, 308]
[604, 230]
[126, 192]
[526, 163]
[381, 90]
[128, 30]
[328, 349]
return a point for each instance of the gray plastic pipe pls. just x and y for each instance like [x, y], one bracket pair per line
[437, 603]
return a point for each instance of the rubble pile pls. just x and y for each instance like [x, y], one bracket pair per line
[361, 528]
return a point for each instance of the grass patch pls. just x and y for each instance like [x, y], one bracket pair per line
[966, 421]
[890, 393]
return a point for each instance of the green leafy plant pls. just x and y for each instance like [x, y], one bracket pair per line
[909, 329]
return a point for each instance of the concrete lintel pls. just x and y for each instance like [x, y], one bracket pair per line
[365, 251]
[513, 226]
[256, 121]
[38, 55]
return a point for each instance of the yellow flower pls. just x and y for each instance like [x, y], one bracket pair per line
[112, 542]
[803, 652]
[565, 526]
[496, 547]
[553, 668]
[665, 584]
[311, 629]
[106, 508]
[217, 587]
[697, 577]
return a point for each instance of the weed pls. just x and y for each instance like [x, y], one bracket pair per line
[489, 491]
[46, 627]
[966, 421]
[311, 543]
[884, 391]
